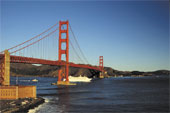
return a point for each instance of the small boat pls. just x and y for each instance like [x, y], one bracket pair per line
[35, 80]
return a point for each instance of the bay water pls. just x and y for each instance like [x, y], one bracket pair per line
[114, 95]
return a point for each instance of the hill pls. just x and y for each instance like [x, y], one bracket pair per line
[19, 69]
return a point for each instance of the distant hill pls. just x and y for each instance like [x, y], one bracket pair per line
[20, 69]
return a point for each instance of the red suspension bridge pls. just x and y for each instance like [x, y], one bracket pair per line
[42, 49]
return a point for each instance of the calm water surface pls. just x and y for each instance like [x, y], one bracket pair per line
[124, 94]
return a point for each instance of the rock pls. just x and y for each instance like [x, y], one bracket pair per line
[23, 103]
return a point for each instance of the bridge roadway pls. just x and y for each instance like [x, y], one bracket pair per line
[29, 60]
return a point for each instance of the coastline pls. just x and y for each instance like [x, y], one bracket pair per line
[29, 70]
[20, 105]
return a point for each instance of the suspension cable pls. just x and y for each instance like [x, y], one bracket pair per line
[33, 37]
[78, 44]
[35, 41]
[75, 51]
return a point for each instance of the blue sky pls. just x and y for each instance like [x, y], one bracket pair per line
[131, 35]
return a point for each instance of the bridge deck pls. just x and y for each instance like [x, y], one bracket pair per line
[29, 60]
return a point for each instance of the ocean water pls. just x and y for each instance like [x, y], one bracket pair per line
[114, 95]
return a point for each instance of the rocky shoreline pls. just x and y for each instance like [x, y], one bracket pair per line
[19, 105]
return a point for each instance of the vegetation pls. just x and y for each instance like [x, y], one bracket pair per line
[18, 69]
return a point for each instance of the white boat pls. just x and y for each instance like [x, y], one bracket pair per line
[79, 79]
[35, 80]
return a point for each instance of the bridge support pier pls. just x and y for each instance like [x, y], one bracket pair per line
[62, 77]
[101, 75]
[65, 83]
[5, 69]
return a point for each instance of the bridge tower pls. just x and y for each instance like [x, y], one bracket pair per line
[101, 67]
[5, 69]
[63, 72]
[101, 62]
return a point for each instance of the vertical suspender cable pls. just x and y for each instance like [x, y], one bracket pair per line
[78, 44]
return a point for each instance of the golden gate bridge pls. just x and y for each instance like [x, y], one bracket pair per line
[22, 53]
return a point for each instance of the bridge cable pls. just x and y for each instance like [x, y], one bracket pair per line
[32, 38]
[75, 51]
[78, 44]
[35, 41]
